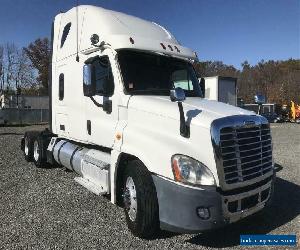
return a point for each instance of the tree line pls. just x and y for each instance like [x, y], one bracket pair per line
[279, 81]
[27, 69]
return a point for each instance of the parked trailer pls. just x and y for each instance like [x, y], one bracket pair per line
[128, 115]
[221, 89]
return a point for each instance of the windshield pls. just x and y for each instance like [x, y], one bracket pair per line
[154, 74]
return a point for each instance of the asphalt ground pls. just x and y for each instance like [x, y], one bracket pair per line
[46, 209]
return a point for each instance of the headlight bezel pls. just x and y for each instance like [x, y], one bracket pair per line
[202, 168]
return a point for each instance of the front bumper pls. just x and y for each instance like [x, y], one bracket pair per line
[178, 204]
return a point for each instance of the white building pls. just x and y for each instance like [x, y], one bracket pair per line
[24, 102]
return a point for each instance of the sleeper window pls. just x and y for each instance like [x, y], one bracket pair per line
[65, 34]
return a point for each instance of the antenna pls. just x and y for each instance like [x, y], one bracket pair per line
[77, 56]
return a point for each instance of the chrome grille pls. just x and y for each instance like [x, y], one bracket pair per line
[246, 152]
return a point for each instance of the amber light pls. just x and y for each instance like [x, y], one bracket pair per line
[118, 136]
[176, 170]
[170, 47]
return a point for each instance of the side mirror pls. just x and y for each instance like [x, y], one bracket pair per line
[89, 88]
[177, 95]
[108, 86]
[259, 99]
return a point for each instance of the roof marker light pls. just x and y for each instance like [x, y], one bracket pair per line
[170, 47]
[177, 49]
[163, 46]
[131, 40]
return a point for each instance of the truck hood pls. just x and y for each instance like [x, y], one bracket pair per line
[198, 111]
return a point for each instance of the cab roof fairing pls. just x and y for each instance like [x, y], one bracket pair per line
[116, 29]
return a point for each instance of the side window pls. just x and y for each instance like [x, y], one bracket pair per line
[65, 34]
[61, 83]
[103, 75]
[180, 78]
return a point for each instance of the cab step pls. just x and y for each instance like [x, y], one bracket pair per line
[94, 188]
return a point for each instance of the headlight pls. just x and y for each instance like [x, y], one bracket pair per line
[187, 170]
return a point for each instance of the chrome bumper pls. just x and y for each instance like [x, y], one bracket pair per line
[256, 199]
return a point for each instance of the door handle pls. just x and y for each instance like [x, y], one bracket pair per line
[89, 126]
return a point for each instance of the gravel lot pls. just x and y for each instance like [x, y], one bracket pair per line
[46, 208]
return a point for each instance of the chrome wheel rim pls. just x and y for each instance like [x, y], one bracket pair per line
[36, 151]
[26, 148]
[130, 200]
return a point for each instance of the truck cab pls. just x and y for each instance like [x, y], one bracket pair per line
[128, 115]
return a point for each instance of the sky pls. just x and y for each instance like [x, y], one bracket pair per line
[228, 30]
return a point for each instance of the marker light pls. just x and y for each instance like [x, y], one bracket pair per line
[170, 47]
[177, 49]
[131, 40]
[163, 46]
[190, 171]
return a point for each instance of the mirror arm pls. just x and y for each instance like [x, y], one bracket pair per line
[91, 60]
[107, 105]
[184, 128]
[95, 102]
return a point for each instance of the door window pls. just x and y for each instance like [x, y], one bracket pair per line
[103, 75]
[180, 79]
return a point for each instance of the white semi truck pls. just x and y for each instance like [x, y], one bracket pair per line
[128, 115]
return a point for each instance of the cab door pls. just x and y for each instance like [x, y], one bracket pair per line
[101, 108]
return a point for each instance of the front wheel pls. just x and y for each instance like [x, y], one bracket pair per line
[140, 201]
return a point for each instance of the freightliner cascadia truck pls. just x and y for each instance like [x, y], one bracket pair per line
[128, 115]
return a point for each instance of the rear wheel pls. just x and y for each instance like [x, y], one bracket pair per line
[39, 158]
[26, 148]
[140, 201]
[29, 138]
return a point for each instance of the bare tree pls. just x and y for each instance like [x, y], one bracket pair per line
[11, 57]
[24, 75]
[16, 70]
[1, 68]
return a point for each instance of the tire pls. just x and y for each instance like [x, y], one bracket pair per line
[39, 152]
[29, 138]
[140, 201]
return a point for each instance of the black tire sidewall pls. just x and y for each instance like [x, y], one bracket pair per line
[141, 179]
[133, 225]
[39, 162]
[29, 156]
